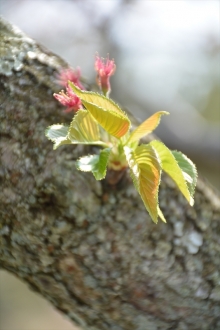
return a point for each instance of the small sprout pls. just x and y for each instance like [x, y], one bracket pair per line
[103, 123]
[105, 69]
[69, 100]
[69, 74]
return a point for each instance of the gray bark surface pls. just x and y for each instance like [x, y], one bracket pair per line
[87, 247]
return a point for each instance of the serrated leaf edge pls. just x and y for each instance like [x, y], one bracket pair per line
[132, 140]
[98, 156]
[47, 129]
[120, 111]
[196, 174]
[128, 152]
[118, 115]
[189, 199]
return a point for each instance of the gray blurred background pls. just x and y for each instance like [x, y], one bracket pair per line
[168, 58]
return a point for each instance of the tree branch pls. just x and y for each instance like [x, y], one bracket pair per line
[90, 249]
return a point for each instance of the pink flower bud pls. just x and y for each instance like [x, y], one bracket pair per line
[70, 100]
[70, 74]
[105, 69]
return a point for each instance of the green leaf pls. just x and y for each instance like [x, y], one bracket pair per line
[107, 113]
[146, 127]
[171, 167]
[97, 99]
[160, 214]
[188, 169]
[58, 135]
[145, 173]
[84, 129]
[114, 123]
[97, 164]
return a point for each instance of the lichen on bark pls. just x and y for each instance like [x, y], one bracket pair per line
[90, 249]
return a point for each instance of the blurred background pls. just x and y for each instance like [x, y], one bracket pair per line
[168, 58]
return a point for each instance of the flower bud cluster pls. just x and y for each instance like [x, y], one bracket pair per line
[105, 69]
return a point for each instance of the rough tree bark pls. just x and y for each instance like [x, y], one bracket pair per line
[90, 249]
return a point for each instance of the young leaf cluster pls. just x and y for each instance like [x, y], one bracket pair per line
[103, 123]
